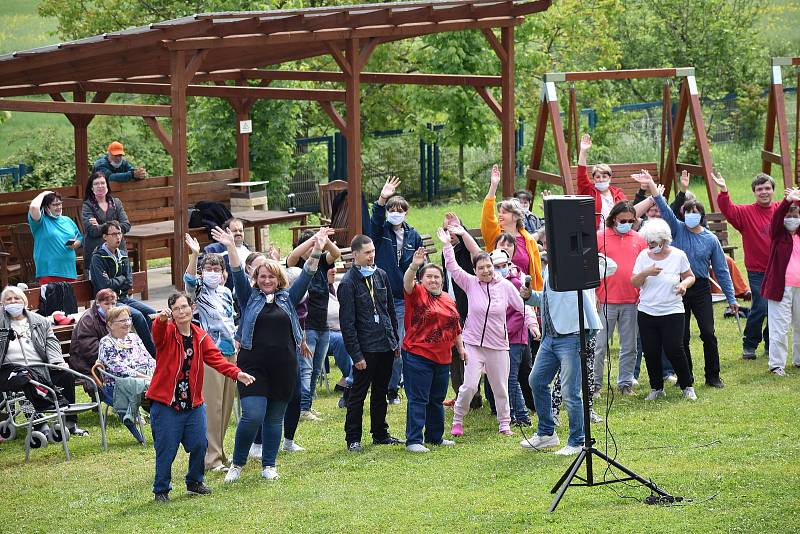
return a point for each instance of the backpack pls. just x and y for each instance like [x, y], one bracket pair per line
[209, 214]
[57, 296]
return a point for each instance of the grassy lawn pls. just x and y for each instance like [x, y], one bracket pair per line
[733, 453]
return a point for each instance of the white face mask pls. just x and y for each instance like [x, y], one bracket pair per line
[602, 186]
[14, 309]
[791, 223]
[396, 217]
[212, 279]
[657, 249]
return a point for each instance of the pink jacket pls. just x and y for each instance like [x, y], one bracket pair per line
[486, 320]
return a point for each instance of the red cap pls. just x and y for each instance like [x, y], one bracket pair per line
[116, 149]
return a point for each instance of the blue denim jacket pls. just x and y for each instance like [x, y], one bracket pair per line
[252, 300]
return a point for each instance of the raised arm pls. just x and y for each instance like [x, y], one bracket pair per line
[494, 181]
[35, 209]
[460, 276]
[190, 276]
[241, 286]
[469, 242]
[645, 203]
[411, 273]
[776, 227]
[585, 186]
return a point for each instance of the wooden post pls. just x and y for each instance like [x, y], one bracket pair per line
[776, 116]
[353, 135]
[243, 140]
[80, 127]
[180, 169]
[508, 120]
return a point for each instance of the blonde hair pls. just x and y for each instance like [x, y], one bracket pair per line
[16, 291]
[276, 269]
[602, 167]
[513, 207]
[116, 312]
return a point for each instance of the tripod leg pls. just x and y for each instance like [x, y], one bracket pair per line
[632, 474]
[561, 480]
[569, 475]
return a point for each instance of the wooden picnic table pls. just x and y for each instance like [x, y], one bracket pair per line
[141, 235]
[257, 219]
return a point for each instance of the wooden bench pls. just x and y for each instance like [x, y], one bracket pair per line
[84, 294]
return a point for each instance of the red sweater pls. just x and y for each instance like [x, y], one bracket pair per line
[169, 359]
[753, 222]
[779, 255]
[623, 249]
[586, 187]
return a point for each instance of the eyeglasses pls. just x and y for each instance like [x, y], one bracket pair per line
[56, 204]
[124, 321]
[627, 221]
[114, 233]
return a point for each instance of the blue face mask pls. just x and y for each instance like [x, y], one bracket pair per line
[366, 270]
[624, 228]
[692, 219]
[502, 270]
[101, 311]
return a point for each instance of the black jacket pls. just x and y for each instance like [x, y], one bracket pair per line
[464, 260]
[108, 272]
[357, 314]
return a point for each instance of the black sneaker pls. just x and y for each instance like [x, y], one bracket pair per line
[355, 447]
[198, 488]
[388, 440]
[524, 422]
[161, 498]
[715, 382]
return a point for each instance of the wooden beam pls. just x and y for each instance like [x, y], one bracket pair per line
[703, 147]
[537, 175]
[366, 51]
[494, 105]
[31, 89]
[410, 78]
[508, 119]
[194, 64]
[494, 42]
[180, 172]
[243, 143]
[80, 128]
[221, 91]
[337, 55]
[161, 134]
[85, 108]
[612, 74]
[353, 135]
[337, 119]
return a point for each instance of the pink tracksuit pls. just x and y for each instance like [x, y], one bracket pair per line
[485, 336]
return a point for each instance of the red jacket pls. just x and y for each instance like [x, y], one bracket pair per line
[780, 253]
[586, 187]
[753, 222]
[169, 359]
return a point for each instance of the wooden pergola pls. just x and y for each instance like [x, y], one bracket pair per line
[218, 54]
[777, 124]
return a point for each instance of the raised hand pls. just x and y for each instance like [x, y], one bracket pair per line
[495, 179]
[792, 194]
[419, 257]
[192, 243]
[274, 252]
[389, 188]
[457, 229]
[685, 178]
[321, 237]
[586, 143]
[720, 181]
[224, 237]
[451, 219]
[660, 189]
[443, 236]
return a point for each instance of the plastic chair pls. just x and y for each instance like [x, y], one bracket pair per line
[98, 373]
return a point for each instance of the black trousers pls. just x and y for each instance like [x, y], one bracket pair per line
[664, 333]
[697, 302]
[375, 377]
[21, 382]
[525, 368]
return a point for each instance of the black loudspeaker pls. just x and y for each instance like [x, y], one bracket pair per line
[571, 242]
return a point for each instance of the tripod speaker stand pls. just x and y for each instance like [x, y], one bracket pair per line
[572, 251]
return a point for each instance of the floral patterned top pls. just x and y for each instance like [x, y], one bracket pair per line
[125, 357]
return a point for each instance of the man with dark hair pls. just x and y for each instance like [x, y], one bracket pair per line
[112, 269]
[316, 329]
[531, 221]
[116, 168]
[236, 226]
[395, 243]
[753, 222]
[369, 330]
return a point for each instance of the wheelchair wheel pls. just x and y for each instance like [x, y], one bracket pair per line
[54, 436]
[7, 430]
[38, 440]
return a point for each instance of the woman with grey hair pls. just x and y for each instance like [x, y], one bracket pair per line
[663, 275]
[509, 218]
[27, 339]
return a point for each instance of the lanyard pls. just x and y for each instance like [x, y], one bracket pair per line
[368, 281]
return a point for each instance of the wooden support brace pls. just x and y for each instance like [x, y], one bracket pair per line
[340, 59]
[494, 42]
[494, 105]
[163, 136]
[337, 119]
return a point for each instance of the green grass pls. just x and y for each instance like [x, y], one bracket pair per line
[733, 452]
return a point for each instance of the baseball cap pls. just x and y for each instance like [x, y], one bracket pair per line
[116, 149]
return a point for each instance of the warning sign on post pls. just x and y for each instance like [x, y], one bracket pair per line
[245, 127]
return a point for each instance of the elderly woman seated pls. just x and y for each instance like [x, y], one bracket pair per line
[128, 367]
[26, 342]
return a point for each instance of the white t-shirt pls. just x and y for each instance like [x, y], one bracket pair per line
[243, 252]
[658, 296]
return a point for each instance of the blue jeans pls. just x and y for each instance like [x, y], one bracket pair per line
[558, 353]
[340, 356]
[140, 316]
[426, 387]
[517, 401]
[259, 412]
[172, 428]
[317, 342]
[754, 329]
[397, 366]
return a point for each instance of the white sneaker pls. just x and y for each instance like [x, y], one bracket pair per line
[538, 442]
[233, 474]
[270, 473]
[447, 443]
[655, 394]
[778, 371]
[594, 418]
[255, 451]
[306, 415]
[568, 450]
[221, 468]
[290, 446]
[417, 447]
[634, 382]
[689, 393]
[671, 378]
[315, 412]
